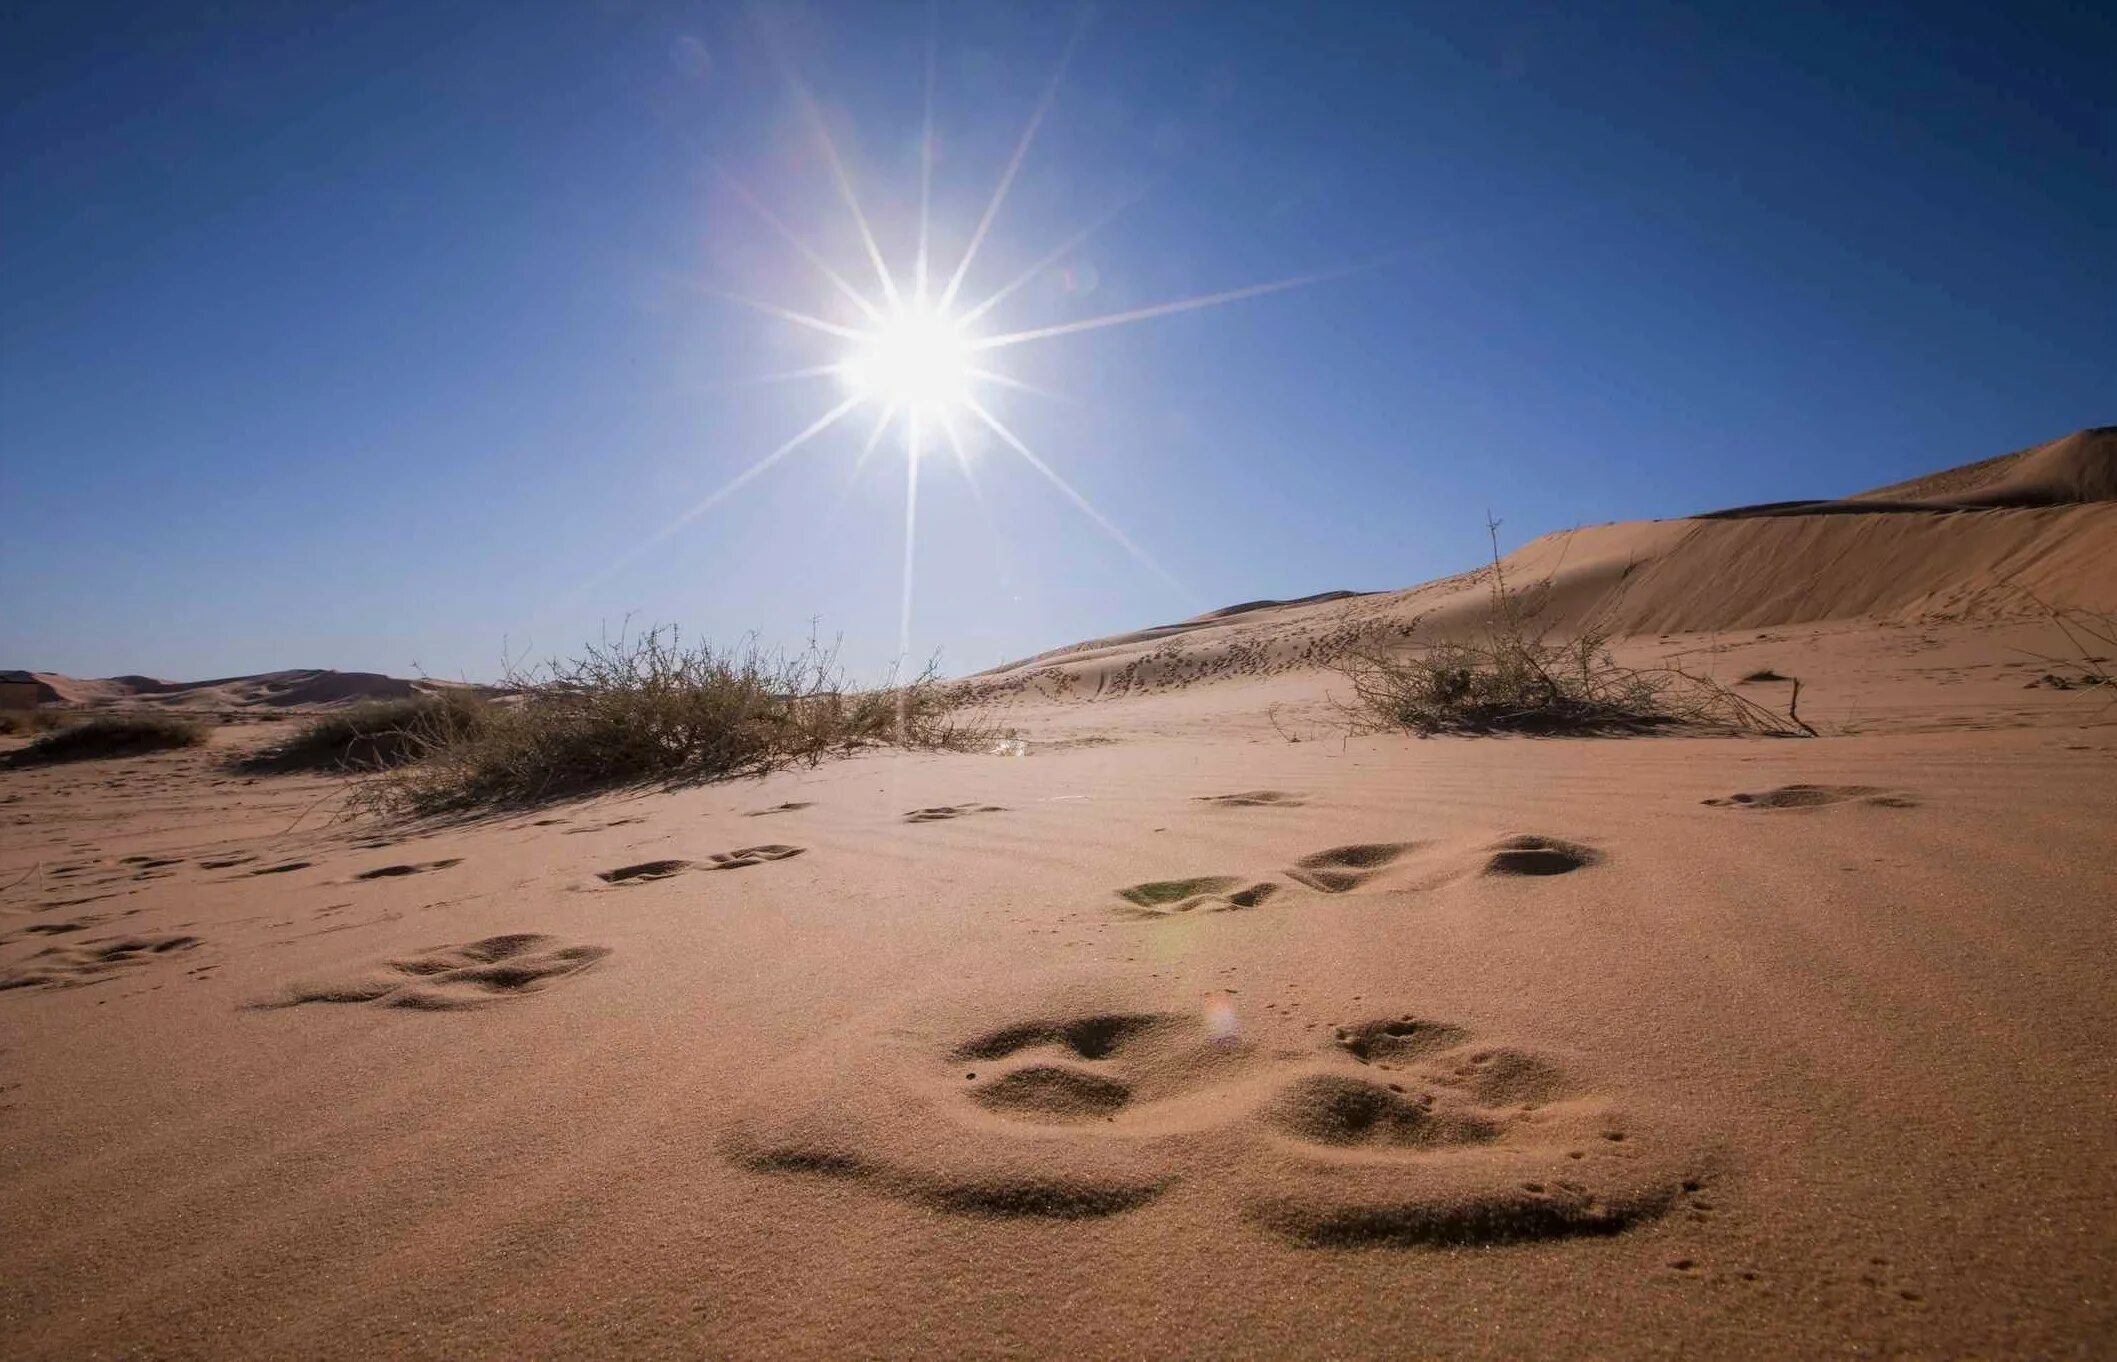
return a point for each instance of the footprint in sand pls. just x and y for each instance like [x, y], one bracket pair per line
[945, 811]
[383, 872]
[1341, 870]
[1253, 799]
[60, 928]
[1816, 797]
[1345, 868]
[602, 827]
[967, 1128]
[92, 962]
[749, 856]
[644, 872]
[452, 978]
[1397, 1132]
[1440, 1141]
[1198, 894]
[1530, 853]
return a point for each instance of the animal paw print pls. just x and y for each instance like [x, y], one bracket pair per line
[749, 856]
[91, 962]
[1344, 868]
[384, 872]
[942, 812]
[644, 872]
[453, 978]
[1461, 1145]
[1198, 894]
[1816, 797]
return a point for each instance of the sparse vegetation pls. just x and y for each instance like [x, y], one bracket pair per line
[650, 707]
[1513, 676]
[15, 722]
[2089, 661]
[125, 734]
[376, 734]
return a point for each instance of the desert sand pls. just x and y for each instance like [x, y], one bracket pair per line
[1192, 1026]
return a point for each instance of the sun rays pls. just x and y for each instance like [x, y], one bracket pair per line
[919, 353]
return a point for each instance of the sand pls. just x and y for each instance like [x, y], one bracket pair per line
[1196, 1029]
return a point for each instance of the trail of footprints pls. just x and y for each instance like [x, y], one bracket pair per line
[1344, 869]
[1397, 1131]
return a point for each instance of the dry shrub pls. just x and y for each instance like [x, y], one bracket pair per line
[650, 707]
[375, 734]
[1514, 676]
[2089, 659]
[125, 734]
[16, 722]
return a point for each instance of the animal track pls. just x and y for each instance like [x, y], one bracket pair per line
[91, 961]
[391, 871]
[1816, 797]
[1336, 1109]
[1080, 1112]
[1472, 1146]
[748, 856]
[790, 807]
[1254, 799]
[451, 978]
[1343, 868]
[943, 811]
[1202, 893]
[643, 872]
[1530, 854]
[1397, 1039]
[603, 827]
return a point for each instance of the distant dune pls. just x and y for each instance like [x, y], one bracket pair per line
[1985, 540]
[297, 688]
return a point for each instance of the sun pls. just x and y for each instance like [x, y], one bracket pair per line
[916, 358]
[921, 354]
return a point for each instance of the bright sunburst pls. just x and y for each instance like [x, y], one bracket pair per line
[919, 355]
[917, 358]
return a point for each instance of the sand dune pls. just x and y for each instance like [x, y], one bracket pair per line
[2000, 554]
[1194, 1027]
[300, 688]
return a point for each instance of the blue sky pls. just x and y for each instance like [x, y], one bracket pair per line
[385, 337]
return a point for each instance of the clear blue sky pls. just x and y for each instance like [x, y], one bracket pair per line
[374, 338]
